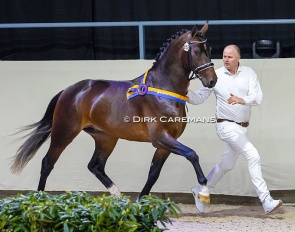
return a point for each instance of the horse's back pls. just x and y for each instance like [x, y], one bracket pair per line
[101, 104]
[88, 95]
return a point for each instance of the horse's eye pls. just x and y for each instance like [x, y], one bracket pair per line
[197, 52]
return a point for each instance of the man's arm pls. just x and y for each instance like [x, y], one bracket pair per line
[235, 100]
[199, 96]
[254, 96]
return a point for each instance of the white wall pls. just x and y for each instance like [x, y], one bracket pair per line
[27, 87]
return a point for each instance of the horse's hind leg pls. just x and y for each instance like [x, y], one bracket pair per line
[48, 164]
[104, 145]
[158, 161]
[64, 130]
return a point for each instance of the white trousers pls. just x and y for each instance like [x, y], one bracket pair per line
[237, 143]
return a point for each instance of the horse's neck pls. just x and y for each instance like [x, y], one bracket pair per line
[169, 73]
[169, 79]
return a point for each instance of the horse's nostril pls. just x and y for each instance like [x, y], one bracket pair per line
[212, 84]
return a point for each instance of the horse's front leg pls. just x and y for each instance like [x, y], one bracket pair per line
[165, 141]
[158, 161]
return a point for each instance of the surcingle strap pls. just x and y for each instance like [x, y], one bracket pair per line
[142, 89]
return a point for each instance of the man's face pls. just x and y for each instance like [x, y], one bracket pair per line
[231, 59]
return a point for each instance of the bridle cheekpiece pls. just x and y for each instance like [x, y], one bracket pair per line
[197, 70]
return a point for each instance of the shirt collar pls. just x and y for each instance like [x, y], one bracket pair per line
[228, 73]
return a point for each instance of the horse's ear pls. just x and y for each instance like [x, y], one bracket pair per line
[194, 30]
[205, 28]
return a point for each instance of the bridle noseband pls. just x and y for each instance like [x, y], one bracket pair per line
[197, 70]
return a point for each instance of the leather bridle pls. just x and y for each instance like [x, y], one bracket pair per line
[196, 70]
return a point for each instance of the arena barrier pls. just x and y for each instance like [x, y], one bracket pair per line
[27, 87]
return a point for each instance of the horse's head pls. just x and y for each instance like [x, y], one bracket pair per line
[196, 56]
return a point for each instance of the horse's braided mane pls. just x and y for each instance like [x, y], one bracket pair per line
[166, 44]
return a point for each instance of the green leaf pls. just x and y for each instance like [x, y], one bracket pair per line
[155, 214]
[66, 228]
[79, 211]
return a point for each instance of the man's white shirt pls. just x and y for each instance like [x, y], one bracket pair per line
[243, 84]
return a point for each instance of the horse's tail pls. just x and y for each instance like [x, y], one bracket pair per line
[35, 138]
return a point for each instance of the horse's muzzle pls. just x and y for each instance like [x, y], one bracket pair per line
[208, 82]
[212, 84]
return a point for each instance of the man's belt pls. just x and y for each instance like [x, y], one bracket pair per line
[243, 124]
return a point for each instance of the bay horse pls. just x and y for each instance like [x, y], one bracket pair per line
[101, 109]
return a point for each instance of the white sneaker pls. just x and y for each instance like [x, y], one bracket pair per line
[200, 206]
[270, 204]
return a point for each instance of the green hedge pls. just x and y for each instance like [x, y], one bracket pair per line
[79, 211]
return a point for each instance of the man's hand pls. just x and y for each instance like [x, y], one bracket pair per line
[235, 100]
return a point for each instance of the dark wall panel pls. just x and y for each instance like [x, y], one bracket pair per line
[122, 42]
